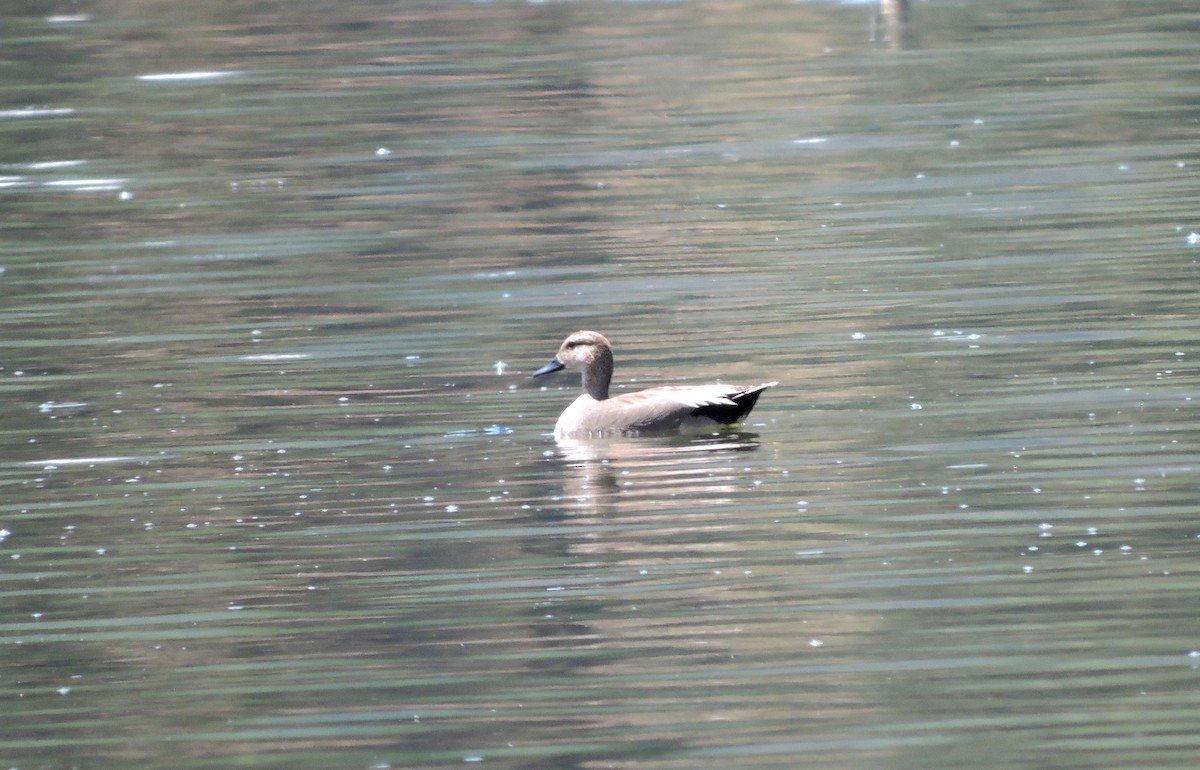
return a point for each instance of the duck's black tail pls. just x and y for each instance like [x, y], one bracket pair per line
[743, 402]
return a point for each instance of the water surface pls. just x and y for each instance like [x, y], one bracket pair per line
[277, 490]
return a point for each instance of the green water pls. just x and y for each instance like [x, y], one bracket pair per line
[277, 490]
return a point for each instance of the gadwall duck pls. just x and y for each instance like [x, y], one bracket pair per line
[656, 409]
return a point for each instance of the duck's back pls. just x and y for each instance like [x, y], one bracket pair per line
[658, 409]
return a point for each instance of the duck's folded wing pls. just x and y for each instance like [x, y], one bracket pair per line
[667, 407]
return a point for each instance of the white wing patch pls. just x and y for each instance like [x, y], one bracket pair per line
[705, 395]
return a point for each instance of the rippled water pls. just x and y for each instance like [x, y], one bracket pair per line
[277, 489]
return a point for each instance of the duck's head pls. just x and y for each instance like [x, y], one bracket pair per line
[582, 350]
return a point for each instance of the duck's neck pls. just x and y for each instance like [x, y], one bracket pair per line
[598, 374]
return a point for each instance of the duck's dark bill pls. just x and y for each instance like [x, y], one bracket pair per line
[553, 366]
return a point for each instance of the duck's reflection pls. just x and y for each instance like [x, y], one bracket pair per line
[890, 25]
[602, 475]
